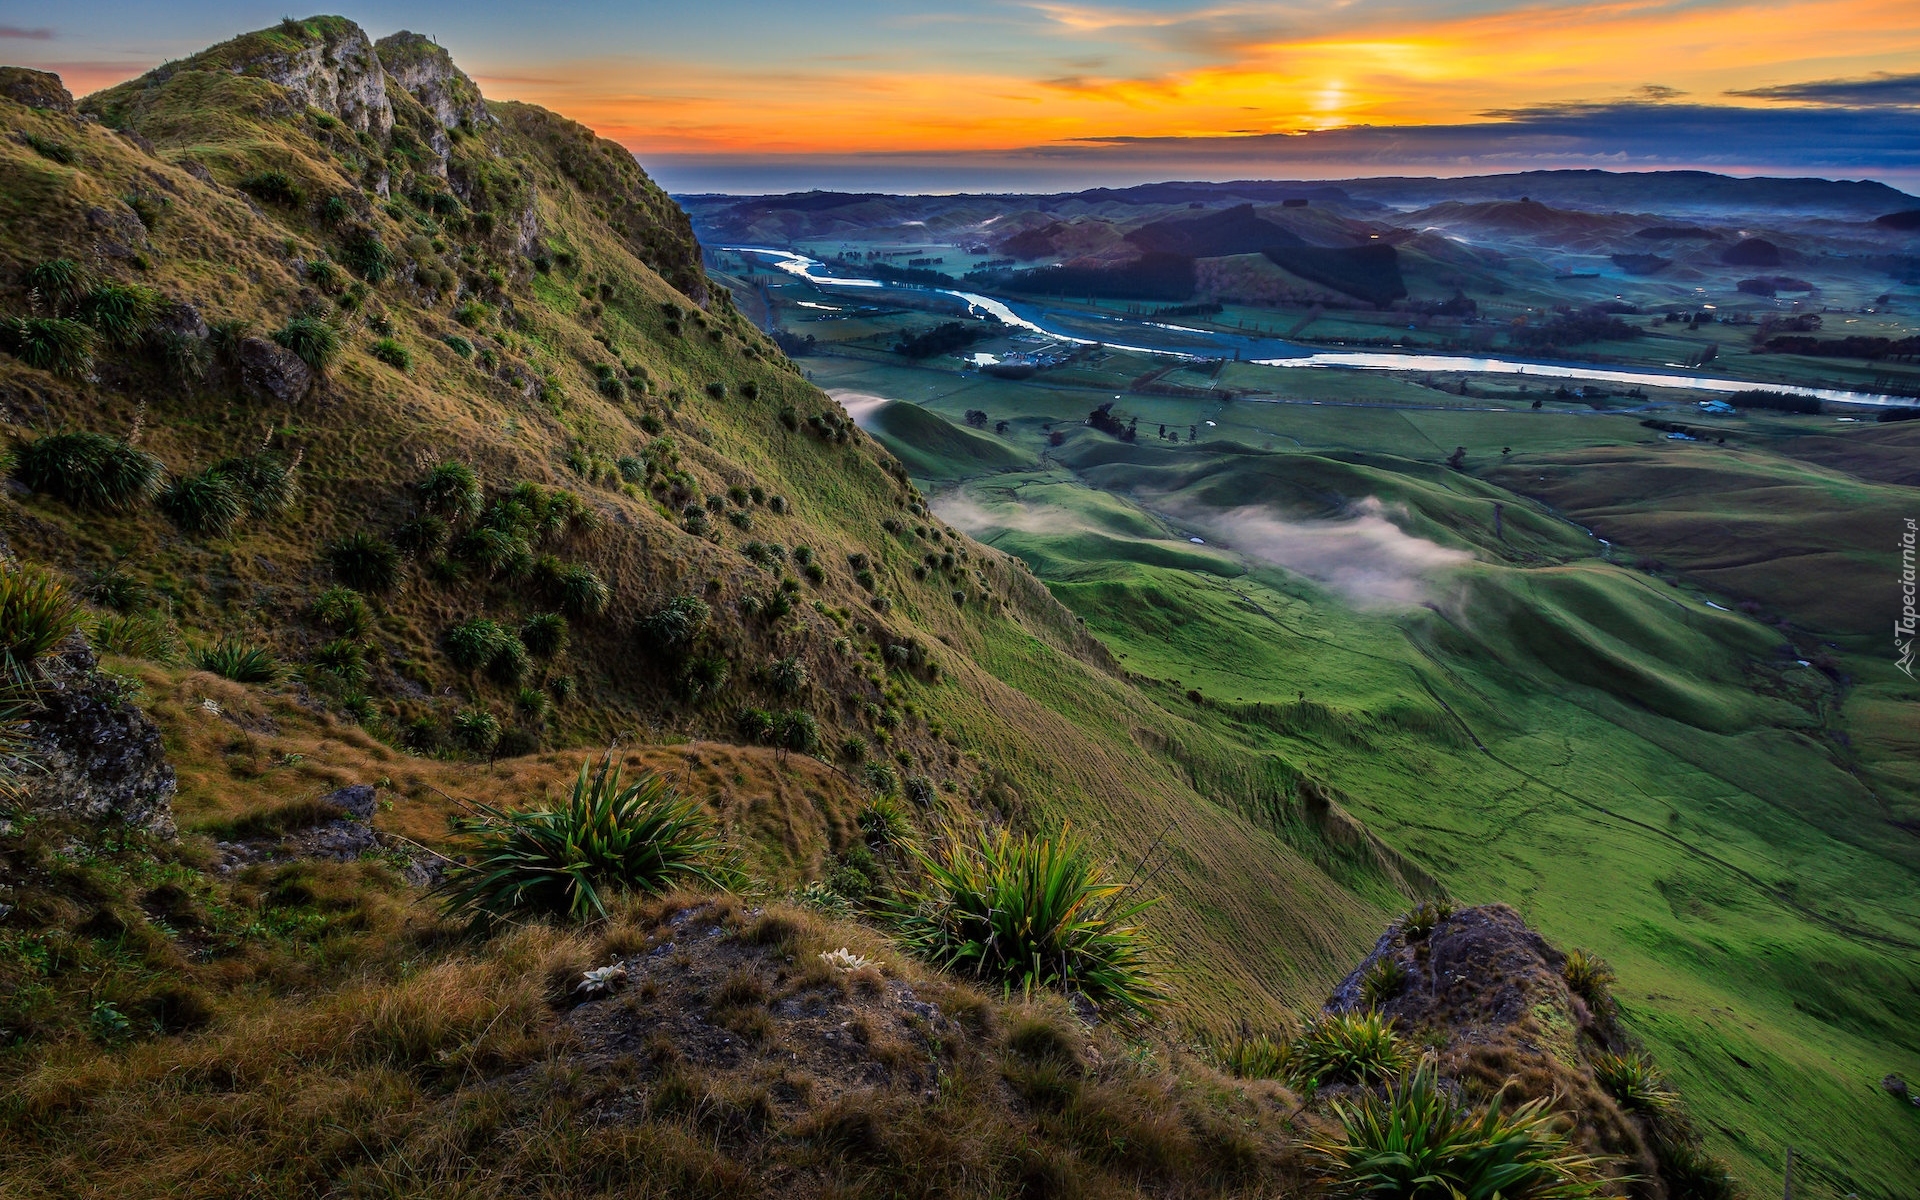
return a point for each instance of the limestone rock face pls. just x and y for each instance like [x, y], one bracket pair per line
[273, 372]
[95, 754]
[339, 74]
[428, 74]
[35, 89]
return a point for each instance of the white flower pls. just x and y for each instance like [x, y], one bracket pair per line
[602, 979]
[844, 959]
[209, 704]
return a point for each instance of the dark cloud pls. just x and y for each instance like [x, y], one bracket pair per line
[29, 35]
[1878, 91]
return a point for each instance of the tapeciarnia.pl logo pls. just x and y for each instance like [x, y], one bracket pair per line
[1903, 625]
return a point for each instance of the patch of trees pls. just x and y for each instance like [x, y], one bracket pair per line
[1370, 273]
[1768, 285]
[1899, 414]
[977, 417]
[793, 345]
[1641, 264]
[1774, 401]
[1852, 346]
[1910, 219]
[1459, 305]
[1187, 310]
[1102, 418]
[945, 338]
[1575, 328]
[1150, 277]
[919, 275]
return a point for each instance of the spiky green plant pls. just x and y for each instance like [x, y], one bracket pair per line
[343, 658]
[1031, 913]
[1633, 1081]
[368, 256]
[238, 661]
[392, 353]
[500, 553]
[1415, 1142]
[207, 504]
[114, 588]
[1256, 1056]
[274, 187]
[477, 729]
[315, 341]
[458, 345]
[366, 562]
[510, 662]
[88, 470]
[883, 822]
[472, 644]
[1420, 922]
[1348, 1048]
[60, 282]
[1383, 981]
[608, 839]
[1589, 976]
[672, 629]
[36, 614]
[544, 634]
[119, 311]
[267, 483]
[53, 344]
[582, 593]
[345, 610]
[150, 638]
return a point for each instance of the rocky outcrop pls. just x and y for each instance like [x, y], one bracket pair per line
[428, 74]
[35, 89]
[338, 73]
[92, 752]
[273, 372]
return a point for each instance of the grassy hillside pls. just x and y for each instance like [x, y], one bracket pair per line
[357, 283]
[1695, 779]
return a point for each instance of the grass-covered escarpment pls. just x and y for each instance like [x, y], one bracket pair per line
[395, 455]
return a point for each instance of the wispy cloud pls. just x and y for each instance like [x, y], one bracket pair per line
[25, 35]
[1882, 90]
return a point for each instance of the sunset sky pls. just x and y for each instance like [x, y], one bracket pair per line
[742, 95]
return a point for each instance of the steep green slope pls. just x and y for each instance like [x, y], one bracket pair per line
[509, 292]
[1639, 769]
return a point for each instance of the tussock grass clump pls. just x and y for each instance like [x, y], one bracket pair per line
[119, 311]
[36, 614]
[53, 344]
[1417, 1141]
[1383, 981]
[273, 187]
[267, 483]
[544, 634]
[151, 638]
[1031, 913]
[316, 342]
[344, 609]
[673, 628]
[207, 504]
[366, 562]
[1633, 1081]
[59, 282]
[1348, 1048]
[392, 353]
[476, 729]
[88, 470]
[883, 821]
[1589, 977]
[581, 591]
[1256, 1056]
[343, 658]
[1418, 924]
[232, 659]
[472, 644]
[610, 838]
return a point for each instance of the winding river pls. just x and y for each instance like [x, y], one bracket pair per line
[1152, 337]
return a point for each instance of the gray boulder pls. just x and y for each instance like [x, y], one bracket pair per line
[273, 372]
[92, 752]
